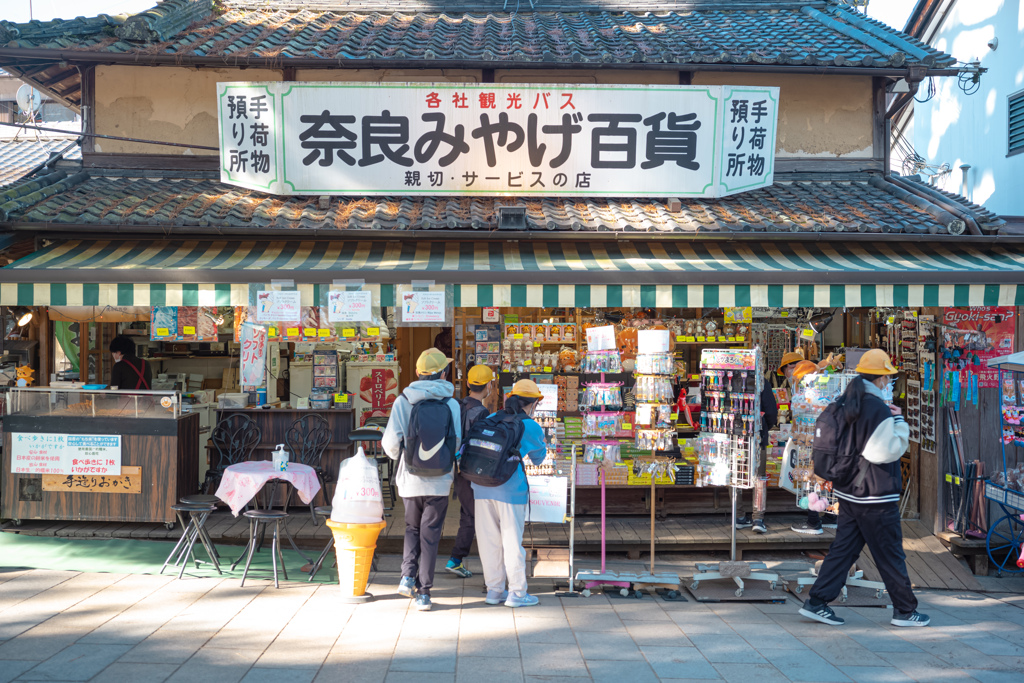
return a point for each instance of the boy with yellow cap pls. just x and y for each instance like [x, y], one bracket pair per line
[478, 383]
[501, 510]
[425, 496]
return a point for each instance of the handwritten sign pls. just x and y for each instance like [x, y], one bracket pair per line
[549, 401]
[129, 481]
[349, 307]
[601, 338]
[254, 353]
[273, 306]
[58, 454]
[423, 307]
[38, 453]
[547, 499]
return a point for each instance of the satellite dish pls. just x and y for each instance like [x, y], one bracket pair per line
[29, 99]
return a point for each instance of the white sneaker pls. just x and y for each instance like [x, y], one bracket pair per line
[524, 600]
[496, 597]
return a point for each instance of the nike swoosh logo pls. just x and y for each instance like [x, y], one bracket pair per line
[427, 455]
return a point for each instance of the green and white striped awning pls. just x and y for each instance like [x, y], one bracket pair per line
[541, 273]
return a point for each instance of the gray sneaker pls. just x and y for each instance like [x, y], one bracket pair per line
[914, 618]
[822, 613]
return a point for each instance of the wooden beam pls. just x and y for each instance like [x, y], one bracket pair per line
[88, 109]
[161, 162]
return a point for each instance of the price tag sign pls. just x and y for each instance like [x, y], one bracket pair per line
[690, 339]
[517, 336]
[741, 338]
[272, 331]
[547, 368]
[348, 332]
[527, 362]
[700, 339]
[949, 478]
[323, 332]
[188, 329]
[732, 339]
[680, 338]
[373, 331]
[626, 426]
[341, 398]
[807, 334]
[293, 332]
[721, 339]
[536, 345]
[161, 331]
[309, 331]
[673, 416]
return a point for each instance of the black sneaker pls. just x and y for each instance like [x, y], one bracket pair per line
[830, 521]
[805, 528]
[759, 527]
[744, 522]
[914, 618]
[822, 613]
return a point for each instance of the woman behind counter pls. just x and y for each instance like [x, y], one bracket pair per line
[130, 372]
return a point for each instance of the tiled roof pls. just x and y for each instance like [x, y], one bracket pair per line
[18, 157]
[856, 203]
[816, 33]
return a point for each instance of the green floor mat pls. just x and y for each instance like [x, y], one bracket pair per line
[131, 556]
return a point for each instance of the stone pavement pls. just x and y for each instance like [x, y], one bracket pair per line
[71, 626]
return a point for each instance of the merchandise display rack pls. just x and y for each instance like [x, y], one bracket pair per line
[1005, 540]
[731, 384]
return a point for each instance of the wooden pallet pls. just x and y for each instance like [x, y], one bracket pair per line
[929, 563]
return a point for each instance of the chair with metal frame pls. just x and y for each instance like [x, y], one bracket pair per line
[234, 439]
[307, 439]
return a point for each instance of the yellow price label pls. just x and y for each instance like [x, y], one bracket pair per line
[324, 332]
[341, 398]
[680, 338]
[293, 332]
[891, 320]
[536, 345]
[740, 338]
[272, 332]
[188, 329]
[626, 426]
[517, 336]
[547, 368]
[161, 332]
[309, 331]
[673, 416]
[721, 339]
[348, 332]
[373, 331]
[732, 339]
[949, 478]
[784, 314]
[690, 339]
[700, 339]
[527, 362]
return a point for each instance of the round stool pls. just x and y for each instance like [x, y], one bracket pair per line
[204, 499]
[258, 518]
[190, 532]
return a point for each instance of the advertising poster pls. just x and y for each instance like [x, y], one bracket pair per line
[273, 306]
[349, 307]
[423, 307]
[254, 352]
[547, 499]
[92, 454]
[991, 329]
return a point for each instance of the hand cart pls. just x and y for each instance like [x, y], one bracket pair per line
[1006, 535]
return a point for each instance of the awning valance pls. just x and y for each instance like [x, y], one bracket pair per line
[526, 273]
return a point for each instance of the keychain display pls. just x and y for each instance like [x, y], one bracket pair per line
[602, 452]
[602, 361]
[601, 396]
[655, 439]
[655, 363]
[603, 424]
[653, 388]
[731, 383]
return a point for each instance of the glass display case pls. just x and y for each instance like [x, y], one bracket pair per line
[51, 402]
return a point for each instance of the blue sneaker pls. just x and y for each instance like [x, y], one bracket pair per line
[458, 568]
[407, 587]
[423, 602]
[524, 600]
[496, 597]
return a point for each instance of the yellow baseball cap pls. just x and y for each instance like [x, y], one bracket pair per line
[875, 362]
[526, 388]
[431, 362]
[791, 357]
[479, 375]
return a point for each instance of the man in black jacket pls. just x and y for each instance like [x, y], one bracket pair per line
[869, 502]
[129, 372]
[478, 380]
[769, 419]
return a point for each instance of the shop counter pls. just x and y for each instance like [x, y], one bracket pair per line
[105, 456]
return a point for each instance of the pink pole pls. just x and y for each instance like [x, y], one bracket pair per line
[601, 474]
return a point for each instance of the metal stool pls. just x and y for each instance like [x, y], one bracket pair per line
[325, 512]
[203, 499]
[190, 532]
[258, 518]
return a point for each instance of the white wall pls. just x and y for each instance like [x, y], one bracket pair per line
[961, 129]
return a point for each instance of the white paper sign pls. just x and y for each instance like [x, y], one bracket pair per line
[278, 307]
[423, 307]
[38, 453]
[93, 454]
[349, 307]
[652, 341]
[254, 354]
[82, 454]
[549, 402]
[547, 499]
[601, 338]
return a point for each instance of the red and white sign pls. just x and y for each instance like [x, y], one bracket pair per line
[82, 454]
[254, 354]
[995, 325]
[547, 499]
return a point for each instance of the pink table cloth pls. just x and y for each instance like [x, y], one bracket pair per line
[242, 482]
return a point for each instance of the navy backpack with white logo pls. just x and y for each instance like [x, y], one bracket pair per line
[429, 448]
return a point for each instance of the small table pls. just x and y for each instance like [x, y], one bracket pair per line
[241, 482]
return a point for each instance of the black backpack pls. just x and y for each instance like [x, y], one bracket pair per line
[490, 452]
[429, 448]
[834, 457]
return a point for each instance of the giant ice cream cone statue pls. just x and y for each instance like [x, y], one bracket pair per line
[354, 545]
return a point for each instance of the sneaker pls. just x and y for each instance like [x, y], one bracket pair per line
[805, 528]
[759, 527]
[496, 597]
[423, 602]
[456, 567]
[822, 613]
[744, 522]
[407, 587]
[914, 618]
[524, 600]
[830, 521]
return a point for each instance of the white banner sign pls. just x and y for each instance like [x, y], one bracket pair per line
[349, 307]
[278, 307]
[487, 139]
[547, 499]
[81, 454]
[254, 354]
[549, 402]
[423, 307]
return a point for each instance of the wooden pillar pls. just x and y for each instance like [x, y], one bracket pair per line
[45, 347]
